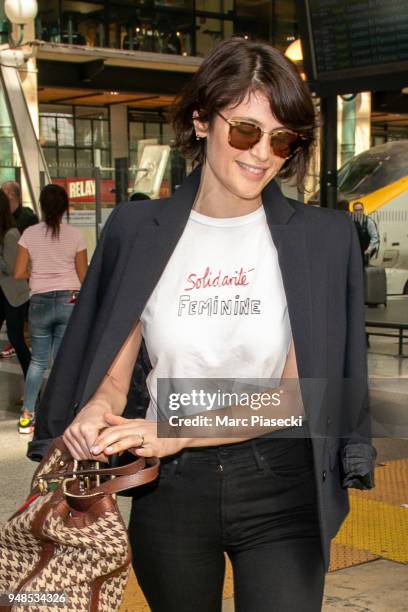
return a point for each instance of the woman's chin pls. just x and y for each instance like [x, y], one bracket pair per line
[250, 189]
[245, 192]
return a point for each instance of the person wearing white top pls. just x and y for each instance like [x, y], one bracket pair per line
[226, 281]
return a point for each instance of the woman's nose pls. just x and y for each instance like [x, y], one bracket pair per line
[262, 149]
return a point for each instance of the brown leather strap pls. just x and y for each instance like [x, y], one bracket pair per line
[123, 470]
[122, 483]
[127, 476]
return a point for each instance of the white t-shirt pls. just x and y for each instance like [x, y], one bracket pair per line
[219, 309]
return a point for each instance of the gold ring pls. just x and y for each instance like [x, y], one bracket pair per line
[141, 436]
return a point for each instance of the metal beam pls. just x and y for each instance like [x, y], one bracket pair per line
[67, 99]
[31, 154]
[328, 163]
[142, 99]
[67, 74]
[90, 70]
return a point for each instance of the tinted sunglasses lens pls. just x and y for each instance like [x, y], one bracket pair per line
[244, 136]
[284, 143]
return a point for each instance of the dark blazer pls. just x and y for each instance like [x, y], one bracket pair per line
[320, 261]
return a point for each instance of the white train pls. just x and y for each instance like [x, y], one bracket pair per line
[378, 178]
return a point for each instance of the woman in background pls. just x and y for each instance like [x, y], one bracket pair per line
[53, 256]
[13, 293]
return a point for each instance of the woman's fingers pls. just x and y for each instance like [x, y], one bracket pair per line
[114, 419]
[85, 434]
[112, 435]
[144, 451]
[137, 435]
[122, 444]
[78, 451]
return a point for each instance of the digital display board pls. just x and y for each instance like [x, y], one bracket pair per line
[351, 45]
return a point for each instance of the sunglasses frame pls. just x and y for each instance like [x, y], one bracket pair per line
[236, 122]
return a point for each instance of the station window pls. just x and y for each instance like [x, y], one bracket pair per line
[150, 128]
[382, 132]
[146, 128]
[182, 27]
[78, 23]
[74, 139]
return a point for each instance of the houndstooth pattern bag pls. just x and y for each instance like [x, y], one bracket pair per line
[67, 546]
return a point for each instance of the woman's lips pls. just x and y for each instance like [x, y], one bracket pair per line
[255, 173]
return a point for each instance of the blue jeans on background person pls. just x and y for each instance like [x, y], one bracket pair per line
[48, 318]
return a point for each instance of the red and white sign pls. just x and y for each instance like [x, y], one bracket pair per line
[83, 189]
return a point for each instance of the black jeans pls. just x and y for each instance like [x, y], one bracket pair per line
[15, 317]
[254, 500]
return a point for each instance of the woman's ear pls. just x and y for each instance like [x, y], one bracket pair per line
[200, 126]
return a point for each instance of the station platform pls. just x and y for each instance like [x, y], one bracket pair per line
[369, 567]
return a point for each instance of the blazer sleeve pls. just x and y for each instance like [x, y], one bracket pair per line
[357, 453]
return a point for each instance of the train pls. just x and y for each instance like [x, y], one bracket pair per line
[378, 178]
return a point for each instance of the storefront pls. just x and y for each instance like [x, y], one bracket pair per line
[180, 27]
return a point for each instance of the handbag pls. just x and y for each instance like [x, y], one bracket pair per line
[67, 546]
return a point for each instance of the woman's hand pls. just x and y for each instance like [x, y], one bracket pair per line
[81, 435]
[110, 398]
[136, 435]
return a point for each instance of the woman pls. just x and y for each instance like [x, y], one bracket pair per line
[13, 293]
[24, 217]
[227, 280]
[53, 255]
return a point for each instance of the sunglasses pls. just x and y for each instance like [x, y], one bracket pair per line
[244, 135]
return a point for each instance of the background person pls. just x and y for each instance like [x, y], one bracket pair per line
[13, 293]
[138, 195]
[53, 255]
[24, 217]
[367, 232]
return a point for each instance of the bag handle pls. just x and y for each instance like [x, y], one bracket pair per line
[128, 476]
[121, 483]
[123, 470]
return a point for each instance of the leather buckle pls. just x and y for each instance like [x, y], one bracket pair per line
[84, 482]
[43, 486]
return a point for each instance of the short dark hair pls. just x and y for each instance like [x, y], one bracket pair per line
[54, 204]
[234, 68]
[138, 195]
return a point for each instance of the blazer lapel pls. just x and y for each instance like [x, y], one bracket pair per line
[289, 236]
